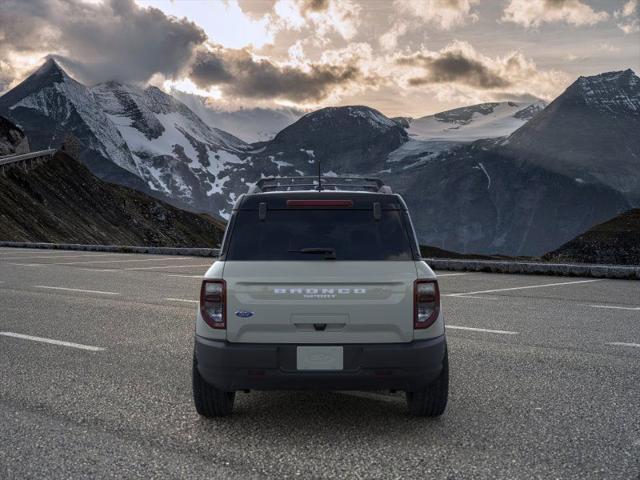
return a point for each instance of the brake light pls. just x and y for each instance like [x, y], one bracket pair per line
[426, 303]
[320, 203]
[213, 296]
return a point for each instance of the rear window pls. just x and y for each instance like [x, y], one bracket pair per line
[319, 235]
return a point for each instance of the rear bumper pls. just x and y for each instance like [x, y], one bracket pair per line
[396, 366]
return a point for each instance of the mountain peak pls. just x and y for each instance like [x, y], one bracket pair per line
[51, 69]
[362, 113]
[619, 90]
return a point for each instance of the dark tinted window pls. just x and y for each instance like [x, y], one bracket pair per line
[351, 234]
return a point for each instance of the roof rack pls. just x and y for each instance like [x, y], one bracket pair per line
[292, 184]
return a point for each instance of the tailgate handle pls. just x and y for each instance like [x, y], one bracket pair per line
[320, 327]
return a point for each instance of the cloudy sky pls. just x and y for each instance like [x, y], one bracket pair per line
[404, 57]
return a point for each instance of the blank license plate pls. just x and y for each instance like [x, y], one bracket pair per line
[320, 358]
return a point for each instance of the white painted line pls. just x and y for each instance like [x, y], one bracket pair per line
[13, 252]
[168, 266]
[24, 257]
[183, 276]
[486, 330]
[182, 300]
[622, 344]
[523, 288]
[76, 290]
[99, 269]
[439, 275]
[52, 342]
[473, 298]
[614, 307]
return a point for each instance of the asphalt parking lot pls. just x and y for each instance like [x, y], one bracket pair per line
[95, 362]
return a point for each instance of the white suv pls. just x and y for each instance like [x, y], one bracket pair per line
[320, 285]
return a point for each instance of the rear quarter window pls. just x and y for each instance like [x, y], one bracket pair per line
[351, 234]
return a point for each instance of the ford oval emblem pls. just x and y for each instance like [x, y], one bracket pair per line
[244, 314]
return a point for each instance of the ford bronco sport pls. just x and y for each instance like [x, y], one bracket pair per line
[320, 285]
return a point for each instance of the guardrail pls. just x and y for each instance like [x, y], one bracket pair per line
[631, 272]
[12, 159]
[197, 252]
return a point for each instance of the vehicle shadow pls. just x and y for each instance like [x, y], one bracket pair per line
[336, 415]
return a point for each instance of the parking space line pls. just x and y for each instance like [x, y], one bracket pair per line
[168, 266]
[450, 274]
[13, 252]
[99, 269]
[53, 342]
[523, 288]
[614, 307]
[472, 297]
[182, 300]
[183, 276]
[76, 290]
[486, 330]
[623, 344]
[24, 257]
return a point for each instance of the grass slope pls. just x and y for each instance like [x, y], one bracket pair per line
[60, 200]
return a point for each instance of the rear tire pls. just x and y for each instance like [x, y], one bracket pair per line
[432, 401]
[209, 401]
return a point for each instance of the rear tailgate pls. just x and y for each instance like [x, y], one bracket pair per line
[327, 301]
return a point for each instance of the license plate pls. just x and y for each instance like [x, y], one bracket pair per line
[320, 358]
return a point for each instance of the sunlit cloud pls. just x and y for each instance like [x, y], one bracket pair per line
[240, 73]
[322, 16]
[533, 13]
[224, 22]
[442, 13]
[459, 71]
[628, 17]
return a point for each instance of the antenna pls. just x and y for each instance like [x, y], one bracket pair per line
[319, 177]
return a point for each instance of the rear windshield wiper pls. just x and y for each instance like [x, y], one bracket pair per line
[329, 253]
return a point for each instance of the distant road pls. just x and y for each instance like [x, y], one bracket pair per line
[95, 365]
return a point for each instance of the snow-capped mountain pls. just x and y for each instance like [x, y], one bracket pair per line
[466, 124]
[470, 187]
[174, 151]
[590, 133]
[344, 139]
[139, 137]
[50, 103]
[250, 124]
[573, 165]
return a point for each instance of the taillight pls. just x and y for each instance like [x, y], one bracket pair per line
[213, 296]
[426, 303]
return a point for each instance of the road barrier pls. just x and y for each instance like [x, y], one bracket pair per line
[537, 268]
[492, 266]
[26, 158]
[197, 252]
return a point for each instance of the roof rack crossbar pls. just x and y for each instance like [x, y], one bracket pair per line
[351, 183]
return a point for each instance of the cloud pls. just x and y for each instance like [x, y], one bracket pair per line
[453, 67]
[626, 24]
[112, 40]
[443, 13]
[533, 13]
[238, 73]
[458, 72]
[323, 17]
[389, 40]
